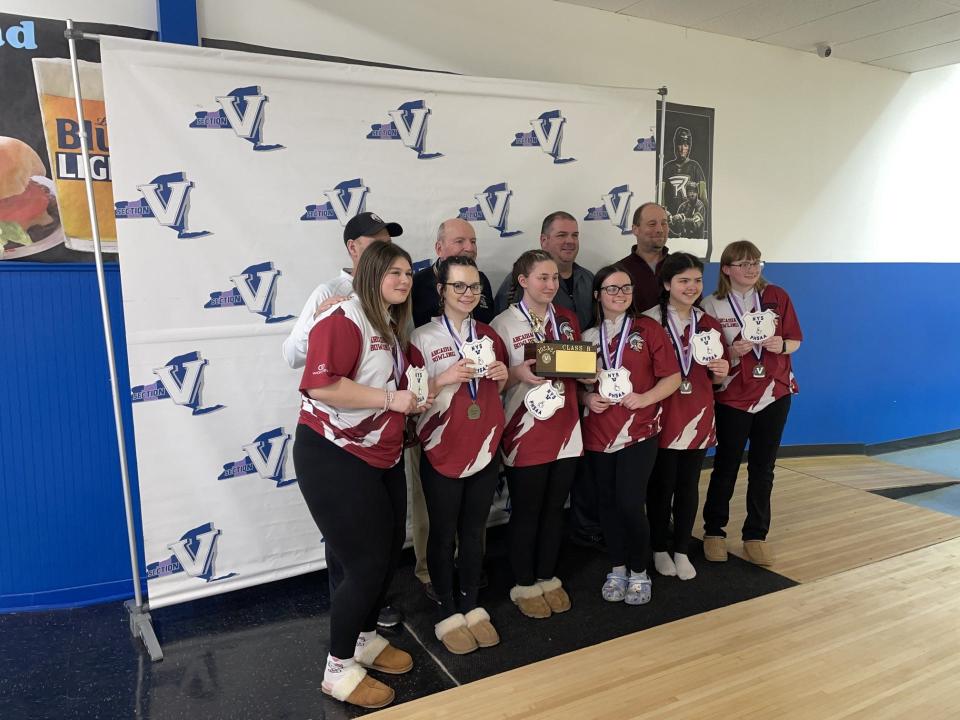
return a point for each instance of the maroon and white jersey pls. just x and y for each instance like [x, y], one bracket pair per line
[343, 344]
[526, 440]
[741, 389]
[649, 356]
[457, 446]
[688, 420]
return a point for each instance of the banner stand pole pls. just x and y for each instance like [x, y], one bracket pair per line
[662, 92]
[141, 625]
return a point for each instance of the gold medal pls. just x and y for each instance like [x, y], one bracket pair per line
[473, 412]
[759, 371]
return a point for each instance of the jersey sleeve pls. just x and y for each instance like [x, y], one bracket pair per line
[333, 351]
[661, 352]
[789, 323]
[415, 354]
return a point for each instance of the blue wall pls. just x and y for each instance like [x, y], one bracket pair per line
[879, 364]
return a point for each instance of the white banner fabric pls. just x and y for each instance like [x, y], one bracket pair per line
[234, 175]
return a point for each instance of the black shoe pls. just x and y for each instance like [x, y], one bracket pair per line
[431, 593]
[591, 541]
[389, 617]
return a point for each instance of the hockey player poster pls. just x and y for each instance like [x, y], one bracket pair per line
[686, 186]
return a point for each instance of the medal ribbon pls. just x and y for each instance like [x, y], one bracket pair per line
[738, 314]
[474, 383]
[399, 363]
[551, 318]
[617, 362]
[685, 355]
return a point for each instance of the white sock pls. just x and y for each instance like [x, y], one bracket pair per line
[685, 569]
[363, 639]
[620, 570]
[638, 575]
[664, 564]
[335, 669]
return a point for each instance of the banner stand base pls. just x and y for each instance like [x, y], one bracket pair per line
[141, 627]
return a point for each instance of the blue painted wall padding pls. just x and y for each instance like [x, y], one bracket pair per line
[878, 364]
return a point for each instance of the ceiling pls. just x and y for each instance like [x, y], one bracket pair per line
[907, 35]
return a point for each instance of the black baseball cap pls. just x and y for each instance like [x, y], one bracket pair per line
[369, 224]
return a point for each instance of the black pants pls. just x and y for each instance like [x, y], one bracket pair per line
[584, 502]
[674, 489]
[622, 482]
[458, 509]
[537, 495]
[362, 513]
[734, 427]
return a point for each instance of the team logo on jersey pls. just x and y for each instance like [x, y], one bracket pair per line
[547, 134]
[408, 125]
[493, 207]
[635, 341]
[646, 144]
[180, 380]
[615, 208]
[241, 110]
[166, 198]
[255, 288]
[566, 329]
[347, 199]
[266, 456]
[195, 554]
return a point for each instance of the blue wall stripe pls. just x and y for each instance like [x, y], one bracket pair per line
[878, 364]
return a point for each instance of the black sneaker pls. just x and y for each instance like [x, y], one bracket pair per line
[389, 617]
[431, 593]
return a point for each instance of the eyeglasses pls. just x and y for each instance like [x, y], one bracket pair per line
[616, 289]
[749, 264]
[461, 287]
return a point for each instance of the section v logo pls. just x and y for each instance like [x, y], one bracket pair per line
[194, 553]
[255, 288]
[266, 456]
[409, 125]
[615, 208]
[493, 206]
[646, 144]
[166, 198]
[241, 110]
[347, 199]
[180, 380]
[547, 134]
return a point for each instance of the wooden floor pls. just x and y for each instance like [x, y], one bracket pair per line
[862, 472]
[872, 631]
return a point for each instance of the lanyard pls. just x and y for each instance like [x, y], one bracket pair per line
[738, 314]
[617, 361]
[473, 383]
[685, 354]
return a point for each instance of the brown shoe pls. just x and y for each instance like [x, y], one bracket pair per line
[715, 548]
[479, 625]
[358, 688]
[555, 595]
[381, 655]
[529, 598]
[758, 552]
[454, 635]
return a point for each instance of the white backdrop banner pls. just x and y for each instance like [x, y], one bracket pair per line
[233, 177]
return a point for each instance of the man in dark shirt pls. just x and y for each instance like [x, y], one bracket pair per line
[651, 226]
[560, 237]
[454, 237]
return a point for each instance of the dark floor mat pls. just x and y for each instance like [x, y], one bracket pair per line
[901, 492]
[591, 619]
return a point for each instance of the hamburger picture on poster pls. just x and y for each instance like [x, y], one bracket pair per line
[29, 216]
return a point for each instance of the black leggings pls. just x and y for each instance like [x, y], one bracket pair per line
[734, 427]
[674, 484]
[622, 483]
[362, 512]
[537, 495]
[458, 509]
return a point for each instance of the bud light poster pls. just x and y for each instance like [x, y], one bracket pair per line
[234, 176]
[686, 186]
[43, 207]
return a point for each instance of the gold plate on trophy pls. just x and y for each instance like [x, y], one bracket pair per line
[561, 358]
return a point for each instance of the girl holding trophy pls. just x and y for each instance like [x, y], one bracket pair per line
[460, 433]
[761, 330]
[620, 427]
[688, 418]
[542, 440]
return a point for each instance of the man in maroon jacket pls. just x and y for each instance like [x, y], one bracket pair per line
[651, 226]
